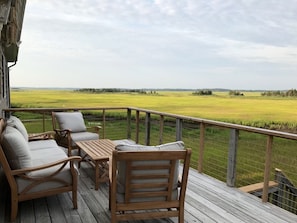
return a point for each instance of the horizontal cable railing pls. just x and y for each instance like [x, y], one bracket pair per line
[242, 156]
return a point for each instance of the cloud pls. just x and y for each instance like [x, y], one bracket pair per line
[255, 52]
[153, 38]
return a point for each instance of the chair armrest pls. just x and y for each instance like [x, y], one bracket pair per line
[95, 128]
[63, 138]
[45, 166]
[62, 132]
[42, 135]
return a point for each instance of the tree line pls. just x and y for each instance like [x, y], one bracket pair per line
[209, 92]
[110, 90]
[202, 92]
[289, 93]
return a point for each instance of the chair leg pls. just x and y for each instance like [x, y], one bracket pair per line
[181, 216]
[113, 217]
[14, 207]
[74, 198]
[74, 186]
[79, 153]
[109, 196]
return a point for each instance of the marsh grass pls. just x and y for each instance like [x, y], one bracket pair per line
[251, 109]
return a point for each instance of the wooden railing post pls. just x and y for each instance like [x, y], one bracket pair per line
[201, 147]
[267, 168]
[161, 129]
[103, 123]
[43, 121]
[179, 129]
[231, 171]
[137, 127]
[147, 128]
[128, 123]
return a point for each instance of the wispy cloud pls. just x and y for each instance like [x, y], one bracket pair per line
[164, 36]
[255, 52]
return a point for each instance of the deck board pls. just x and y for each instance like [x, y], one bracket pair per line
[207, 200]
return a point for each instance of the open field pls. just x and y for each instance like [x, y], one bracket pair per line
[251, 109]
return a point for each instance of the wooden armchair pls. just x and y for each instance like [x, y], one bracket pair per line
[70, 128]
[145, 185]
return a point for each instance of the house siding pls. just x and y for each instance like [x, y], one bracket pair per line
[11, 21]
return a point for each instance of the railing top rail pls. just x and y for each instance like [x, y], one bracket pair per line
[61, 109]
[222, 124]
[189, 118]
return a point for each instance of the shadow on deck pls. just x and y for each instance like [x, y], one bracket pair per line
[207, 200]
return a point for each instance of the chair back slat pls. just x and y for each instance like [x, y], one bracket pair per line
[149, 178]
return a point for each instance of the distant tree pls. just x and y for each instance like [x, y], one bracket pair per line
[202, 92]
[110, 90]
[235, 93]
[289, 93]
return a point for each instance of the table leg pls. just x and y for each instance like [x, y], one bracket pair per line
[97, 175]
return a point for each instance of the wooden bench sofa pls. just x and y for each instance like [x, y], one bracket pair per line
[36, 168]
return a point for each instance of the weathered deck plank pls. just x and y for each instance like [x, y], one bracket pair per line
[219, 199]
[208, 200]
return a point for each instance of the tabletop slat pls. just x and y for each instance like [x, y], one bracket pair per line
[100, 149]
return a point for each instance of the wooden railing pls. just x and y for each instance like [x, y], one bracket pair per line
[145, 126]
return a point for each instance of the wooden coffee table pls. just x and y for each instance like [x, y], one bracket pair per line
[97, 153]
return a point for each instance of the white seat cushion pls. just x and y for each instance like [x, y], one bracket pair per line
[41, 144]
[41, 157]
[124, 142]
[45, 156]
[82, 136]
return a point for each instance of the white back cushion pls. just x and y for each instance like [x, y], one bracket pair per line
[71, 120]
[15, 122]
[16, 148]
[178, 145]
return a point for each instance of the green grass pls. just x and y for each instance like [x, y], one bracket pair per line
[251, 109]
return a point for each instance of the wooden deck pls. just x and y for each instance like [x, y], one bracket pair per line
[208, 200]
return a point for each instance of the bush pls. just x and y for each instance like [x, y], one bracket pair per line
[235, 93]
[202, 92]
[289, 93]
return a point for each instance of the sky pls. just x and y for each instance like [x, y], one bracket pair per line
[138, 44]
